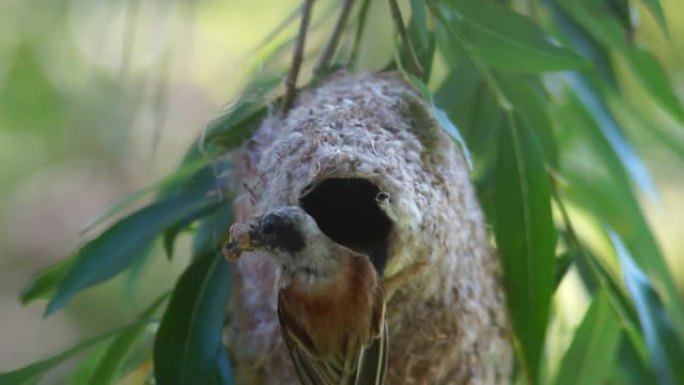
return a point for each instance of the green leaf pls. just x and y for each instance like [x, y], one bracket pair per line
[598, 279]
[458, 87]
[665, 347]
[83, 370]
[604, 119]
[441, 117]
[623, 14]
[110, 365]
[205, 178]
[560, 268]
[127, 240]
[233, 126]
[657, 11]
[43, 284]
[528, 101]
[654, 79]
[606, 30]
[32, 373]
[668, 134]
[451, 129]
[632, 364]
[504, 39]
[525, 236]
[188, 349]
[169, 182]
[598, 184]
[591, 355]
[585, 44]
[212, 231]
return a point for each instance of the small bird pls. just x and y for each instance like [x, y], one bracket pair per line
[331, 302]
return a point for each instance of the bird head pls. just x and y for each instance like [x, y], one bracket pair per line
[292, 238]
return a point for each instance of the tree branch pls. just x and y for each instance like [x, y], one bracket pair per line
[414, 67]
[291, 81]
[331, 46]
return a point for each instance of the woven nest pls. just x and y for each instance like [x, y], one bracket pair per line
[341, 144]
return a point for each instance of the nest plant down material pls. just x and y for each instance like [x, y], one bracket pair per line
[447, 320]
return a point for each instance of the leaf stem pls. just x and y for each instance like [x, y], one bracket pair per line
[360, 27]
[414, 65]
[331, 46]
[291, 81]
[624, 320]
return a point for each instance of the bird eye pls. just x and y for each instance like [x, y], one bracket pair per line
[268, 225]
[382, 196]
[267, 228]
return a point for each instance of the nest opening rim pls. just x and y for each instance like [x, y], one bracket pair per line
[346, 210]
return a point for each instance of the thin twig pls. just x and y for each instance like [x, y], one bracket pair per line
[291, 81]
[331, 46]
[360, 27]
[415, 68]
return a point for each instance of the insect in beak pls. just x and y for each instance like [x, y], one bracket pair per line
[242, 238]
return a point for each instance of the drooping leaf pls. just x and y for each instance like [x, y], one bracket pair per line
[654, 79]
[110, 365]
[212, 175]
[212, 231]
[450, 128]
[458, 87]
[169, 182]
[667, 134]
[233, 126]
[665, 346]
[610, 34]
[622, 12]
[119, 246]
[526, 238]
[188, 349]
[561, 266]
[634, 367]
[441, 117]
[44, 283]
[529, 103]
[610, 129]
[657, 10]
[598, 279]
[504, 39]
[584, 43]
[591, 354]
[32, 373]
[598, 183]
[138, 376]
[83, 370]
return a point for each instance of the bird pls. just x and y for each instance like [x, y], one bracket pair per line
[331, 301]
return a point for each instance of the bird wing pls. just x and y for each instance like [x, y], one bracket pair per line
[373, 361]
[311, 369]
[357, 365]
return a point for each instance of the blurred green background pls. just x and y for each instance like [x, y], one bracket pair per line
[101, 98]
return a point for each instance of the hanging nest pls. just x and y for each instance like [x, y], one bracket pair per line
[342, 144]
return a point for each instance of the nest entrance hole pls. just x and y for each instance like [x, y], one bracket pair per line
[346, 210]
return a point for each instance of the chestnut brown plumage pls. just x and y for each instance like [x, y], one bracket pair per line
[331, 303]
